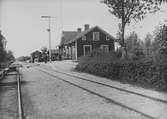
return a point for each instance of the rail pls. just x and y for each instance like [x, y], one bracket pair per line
[97, 94]
[114, 87]
[20, 105]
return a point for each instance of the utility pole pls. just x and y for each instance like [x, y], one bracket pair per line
[49, 32]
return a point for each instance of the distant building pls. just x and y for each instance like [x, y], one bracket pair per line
[79, 43]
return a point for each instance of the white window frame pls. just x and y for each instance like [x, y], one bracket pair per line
[87, 46]
[84, 37]
[107, 37]
[101, 47]
[94, 36]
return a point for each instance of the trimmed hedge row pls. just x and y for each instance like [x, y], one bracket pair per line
[145, 73]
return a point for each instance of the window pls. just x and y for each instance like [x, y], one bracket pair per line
[107, 38]
[96, 36]
[83, 37]
[105, 48]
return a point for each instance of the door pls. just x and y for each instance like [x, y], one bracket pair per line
[87, 49]
[105, 48]
[73, 53]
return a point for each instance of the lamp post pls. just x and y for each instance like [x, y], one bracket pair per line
[49, 36]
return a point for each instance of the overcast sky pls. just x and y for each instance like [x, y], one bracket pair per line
[25, 30]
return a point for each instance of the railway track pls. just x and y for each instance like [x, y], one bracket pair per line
[19, 97]
[114, 87]
[12, 94]
[109, 99]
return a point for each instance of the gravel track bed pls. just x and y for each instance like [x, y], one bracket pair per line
[45, 97]
[8, 97]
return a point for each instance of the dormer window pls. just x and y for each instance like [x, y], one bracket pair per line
[107, 38]
[83, 37]
[96, 36]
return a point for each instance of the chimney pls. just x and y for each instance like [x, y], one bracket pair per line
[86, 27]
[79, 30]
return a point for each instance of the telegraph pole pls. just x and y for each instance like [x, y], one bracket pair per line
[49, 32]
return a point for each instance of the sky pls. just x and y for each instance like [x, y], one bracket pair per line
[25, 30]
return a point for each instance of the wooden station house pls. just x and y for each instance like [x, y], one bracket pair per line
[79, 43]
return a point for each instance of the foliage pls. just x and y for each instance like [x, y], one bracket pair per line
[134, 46]
[2, 55]
[144, 72]
[128, 10]
[148, 40]
[148, 44]
[161, 1]
[5, 56]
[2, 50]
[9, 56]
[132, 42]
[160, 41]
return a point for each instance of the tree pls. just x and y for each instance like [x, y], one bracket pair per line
[148, 44]
[132, 42]
[148, 40]
[160, 1]
[6, 56]
[160, 40]
[134, 46]
[128, 10]
[9, 56]
[2, 50]
[2, 55]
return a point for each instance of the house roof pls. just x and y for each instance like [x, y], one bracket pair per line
[68, 36]
[71, 36]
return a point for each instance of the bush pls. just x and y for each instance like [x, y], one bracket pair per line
[145, 72]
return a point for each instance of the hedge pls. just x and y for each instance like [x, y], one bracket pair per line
[145, 73]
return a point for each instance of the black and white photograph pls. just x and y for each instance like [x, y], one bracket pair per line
[83, 59]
